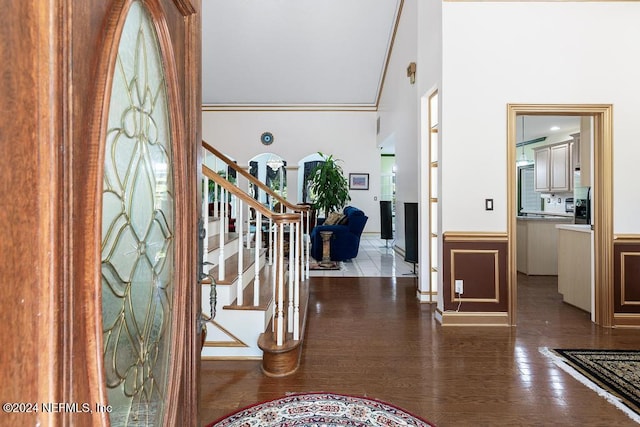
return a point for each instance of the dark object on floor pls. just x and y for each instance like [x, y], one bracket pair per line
[386, 220]
[345, 241]
[411, 232]
[614, 372]
[315, 409]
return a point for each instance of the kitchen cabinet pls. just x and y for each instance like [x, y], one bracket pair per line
[575, 151]
[541, 169]
[553, 168]
[574, 264]
[536, 244]
[560, 168]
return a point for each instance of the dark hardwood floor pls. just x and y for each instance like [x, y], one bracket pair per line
[370, 337]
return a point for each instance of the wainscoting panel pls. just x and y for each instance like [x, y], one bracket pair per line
[480, 261]
[626, 280]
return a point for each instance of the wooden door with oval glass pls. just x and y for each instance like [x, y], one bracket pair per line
[148, 261]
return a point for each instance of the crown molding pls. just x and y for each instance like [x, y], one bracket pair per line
[292, 107]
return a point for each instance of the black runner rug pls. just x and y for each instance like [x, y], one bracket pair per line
[614, 374]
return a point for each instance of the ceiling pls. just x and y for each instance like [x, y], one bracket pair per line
[295, 52]
[539, 126]
[309, 53]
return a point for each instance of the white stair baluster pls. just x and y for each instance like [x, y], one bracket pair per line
[280, 286]
[271, 241]
[240, 255]
[222, 223]
[291, 281]
[307, 242]
[256, 266]
[205, 215]
[296, 288]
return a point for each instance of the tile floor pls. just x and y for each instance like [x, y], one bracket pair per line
[376, 258]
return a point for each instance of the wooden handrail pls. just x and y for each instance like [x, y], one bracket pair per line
[253, 179]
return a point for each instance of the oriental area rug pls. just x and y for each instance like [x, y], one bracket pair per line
[613, 374]
[321, 410]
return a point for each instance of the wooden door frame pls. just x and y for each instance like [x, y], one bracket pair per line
[185, 128]
[50, 237]
[602, 200]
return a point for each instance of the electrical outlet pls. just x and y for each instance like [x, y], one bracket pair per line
[459, 287]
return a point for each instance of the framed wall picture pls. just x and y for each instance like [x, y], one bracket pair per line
[358, 181]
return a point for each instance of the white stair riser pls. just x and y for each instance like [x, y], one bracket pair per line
[230, 248]
[224, 293]
[227, 293]
[235, 333]
[213, 228]
[245, 326]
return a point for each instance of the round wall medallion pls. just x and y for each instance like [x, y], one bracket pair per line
[266, 138]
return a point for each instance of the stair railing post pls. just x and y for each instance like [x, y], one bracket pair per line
[271, 241]
[248, 207]
[292, 272]
[307, 244]
[256, 280]
[224, 212]
[296, 288]
[280, 285]
[216, 200]
[271, 237]
[223, 230]
[239, 230]
[299, 255]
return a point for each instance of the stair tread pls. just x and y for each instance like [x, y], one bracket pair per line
[231, 266]
[213, 242]
[265, 297]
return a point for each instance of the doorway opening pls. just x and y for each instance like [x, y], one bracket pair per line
[554, 192]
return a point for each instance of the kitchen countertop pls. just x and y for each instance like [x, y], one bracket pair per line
[547, 218]
[545, 213]
[582, 228]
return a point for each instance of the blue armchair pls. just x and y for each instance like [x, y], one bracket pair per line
[345, 240]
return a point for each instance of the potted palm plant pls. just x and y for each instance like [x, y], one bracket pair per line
[328, 186]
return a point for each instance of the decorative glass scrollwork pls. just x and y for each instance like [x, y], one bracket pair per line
[138, 229]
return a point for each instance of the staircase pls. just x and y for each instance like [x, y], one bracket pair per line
[255, 295]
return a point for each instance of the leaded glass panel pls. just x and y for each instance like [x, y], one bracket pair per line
[137, 230]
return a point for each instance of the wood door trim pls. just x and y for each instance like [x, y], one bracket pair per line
[185, 7]
[91, 284]
[193, 134]
[184, 263]
[184, 223]
[603, 200]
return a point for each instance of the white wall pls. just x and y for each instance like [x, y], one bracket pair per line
[398, 112]
[350, 136]
[530, 52]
